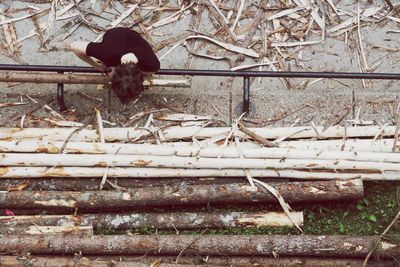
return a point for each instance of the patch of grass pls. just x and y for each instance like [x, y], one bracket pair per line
[367, 216]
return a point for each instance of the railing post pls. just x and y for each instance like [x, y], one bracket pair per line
[60, 95]
[246, 95]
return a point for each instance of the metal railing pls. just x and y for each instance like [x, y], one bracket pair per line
[246, 75]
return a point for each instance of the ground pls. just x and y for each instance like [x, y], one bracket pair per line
[325, 102]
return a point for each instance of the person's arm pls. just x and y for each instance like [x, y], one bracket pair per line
[79, 48]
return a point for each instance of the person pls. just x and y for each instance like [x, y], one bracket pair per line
[124, 55]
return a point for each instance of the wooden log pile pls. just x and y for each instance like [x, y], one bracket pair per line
[81, 156]
[65, 185]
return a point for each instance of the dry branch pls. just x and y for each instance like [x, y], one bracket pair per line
[182, 194]
[207, 245]
[12, 104]
[233, 48]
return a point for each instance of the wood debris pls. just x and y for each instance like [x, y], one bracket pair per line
[12, 104]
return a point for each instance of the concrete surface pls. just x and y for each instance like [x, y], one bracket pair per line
[270, 99]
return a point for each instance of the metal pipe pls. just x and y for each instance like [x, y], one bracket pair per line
[215, 73]
[246, 95]
[222, 73]
[60, 96]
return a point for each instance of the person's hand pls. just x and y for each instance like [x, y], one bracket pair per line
[101, 67]
[129, 58]
[110, 72]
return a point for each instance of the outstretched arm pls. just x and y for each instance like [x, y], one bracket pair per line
[79, 48]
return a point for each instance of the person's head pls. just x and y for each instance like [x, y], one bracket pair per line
[127, 82]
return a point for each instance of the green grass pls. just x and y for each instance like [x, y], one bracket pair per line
[367, 216]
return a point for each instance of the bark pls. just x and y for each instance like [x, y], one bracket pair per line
[149, 173]
[124, 261]
[89, 184]
[182, 220]
[138, 161]
[186, 195]
[179, 132]
[12, 261]
[228, 245]
[191, 151]
[73, 78]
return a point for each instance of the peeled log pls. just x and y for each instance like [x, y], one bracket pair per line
[178, 133]
[186, 195]
[50, 147]
[138, 161]
[207, 245]
[40, 261]
[126, 221]
[52, 230]
[188, 148]
[149, 173]
[353, 145]
[74, 78]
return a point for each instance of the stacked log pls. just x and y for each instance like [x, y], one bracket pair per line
[161, 221]
[25, 151]
[59, 171]
[207, 245]
[182, 195]
[185, 261]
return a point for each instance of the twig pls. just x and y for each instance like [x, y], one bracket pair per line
[247, 172]
[379, 239]
[46, 107]
[24, 112]
[69, 138]
[90, 98]
[11, 104]
[191, 243]
[232, 131]
[100, 125]
[285, 206]
[286, 114]
[140, 115]
[102, 140]
[255, 136]
[164, 105]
